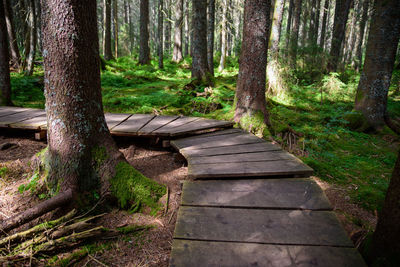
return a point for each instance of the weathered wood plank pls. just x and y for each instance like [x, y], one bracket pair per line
[227, 150]
[249, 169]
[5, 111]
[156, 123]
[35, 123]
[200, 125]
[262, 193]
[21, 116]
[244, 157]
[225, 254]
[133, 124]
[193, 141]
[114, 119]
[165, 130]
[290, 227]
[215, 133]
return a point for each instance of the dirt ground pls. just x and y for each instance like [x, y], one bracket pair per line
[148, 247]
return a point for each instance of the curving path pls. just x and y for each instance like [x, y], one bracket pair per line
[249, 203]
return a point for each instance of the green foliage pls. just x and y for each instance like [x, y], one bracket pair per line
[32, 185]
[3, 171]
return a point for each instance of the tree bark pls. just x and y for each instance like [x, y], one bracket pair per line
[339, 30]
[144, 53]
[289, 25]
[294, 37]
[276, 25]
[383, 39]
[5, 87]
[199, 45]
[33, 38]
[313, 21]
[160, 34]
[224, 11]
[324, 21]
[210, 36]
[251, 84]
[177, 53]
[116, 28]
[168, 27]
[187, 31]
[363, 22]
[15, 55]
[75, 117]
[107, 31]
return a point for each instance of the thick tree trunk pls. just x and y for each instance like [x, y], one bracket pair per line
[360, 39]
[339, 30]
[77, 130]
[224, 9]
[324, 20]
[107, 31]
[177, 53]
[5, 87]
[294, 37]
[116, 28]
[276, 25]
[15, 55]
[199, 45]
[33, 38]
[289, 25]
[251, 84]
[210, 36]
[160, 49]
[372, 92]
[144, 53]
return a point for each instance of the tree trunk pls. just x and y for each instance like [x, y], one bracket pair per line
[5, 90]
[210, 36]
[116, 28]
[15, 55]
[144, 53]
[224, 8]
[107, 31]
[177, 53]
[324, 20]
[199, 45]
[339, 30]
[289, 25]
[251, 84]
[168, 27]
[33, 38]
[383, 39]
[187, 31]
[360, 39]
[317, 17]
[352, 40]
[276, 25]
[294, 37]
[305, 16]
[313, 21]
[160, 34]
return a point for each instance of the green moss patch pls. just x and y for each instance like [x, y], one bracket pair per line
[133, 190]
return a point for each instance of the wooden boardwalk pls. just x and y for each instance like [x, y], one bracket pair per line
[249, 203]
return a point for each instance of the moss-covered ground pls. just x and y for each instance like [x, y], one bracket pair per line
[313, 105]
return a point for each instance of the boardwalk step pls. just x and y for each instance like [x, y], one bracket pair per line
[20, 116]
[270, 193]
[289, 227]
[226, 254]
[133, 124]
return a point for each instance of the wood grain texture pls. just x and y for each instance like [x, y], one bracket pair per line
[133, 124]
[294, 227]
[200, 125]
[35, 123]
[20, 116]
[114, 119]
[165, 130]
[225, 254]
[5, 111]
[297, 193]
[156, 123]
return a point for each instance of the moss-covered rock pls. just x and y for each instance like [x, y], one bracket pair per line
[356, 121]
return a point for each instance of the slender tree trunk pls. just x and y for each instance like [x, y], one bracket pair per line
[177, 53]
[107, 31]
[160, 34]
[116, 28]
[383, 39]
[224, 9]
[168, 27]
[313, 19]
[15, 55]
[303, 20]
[144, 53]
[33, 38]
[324, 21]
[5, 87]
[276, 25]
[294, 37]
[187, 32]
[316, 27]
[126, 16]
[289, 24]
[353, 33]
[131, 31]
[210, 36]
[199, 58]
[363, 22]
[251, 84]
[339, 30]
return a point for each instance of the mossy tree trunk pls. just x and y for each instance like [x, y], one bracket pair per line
[383, 39]
[251, 84]
[5, 87]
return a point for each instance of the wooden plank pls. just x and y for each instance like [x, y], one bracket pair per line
[244, 157]
[165, 130]
[226, 254]
[193, 141]
[156, 123]
[290, 227]
[262, 193]
[200, 125]
[33, 123]
[5, 111]
[133, 124]
[227, 133]
[249, 169]
[227, 150]
[21, 116]
[114, 119]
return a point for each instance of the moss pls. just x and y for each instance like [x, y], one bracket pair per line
[355, 121]
[255, 124]
[133, 228]
[133, 190]
[99, 155]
